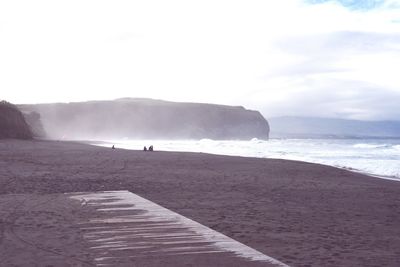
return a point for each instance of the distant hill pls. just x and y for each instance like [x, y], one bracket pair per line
[12, 123]
[308, 127]
[136, 118]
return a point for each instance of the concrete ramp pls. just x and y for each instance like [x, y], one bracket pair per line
[127, 222]
[115, 228]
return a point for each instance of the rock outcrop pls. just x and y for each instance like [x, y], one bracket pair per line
[148, 119]
[12, 123]
[35, 123]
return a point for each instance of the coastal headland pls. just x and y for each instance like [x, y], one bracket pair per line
[299, 213]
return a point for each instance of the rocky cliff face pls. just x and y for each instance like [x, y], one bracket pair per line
[12, 123]
[149, 119]
[35, 123]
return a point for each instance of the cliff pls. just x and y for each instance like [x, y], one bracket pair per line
[35, 123]
[148, 119]
[12, 123]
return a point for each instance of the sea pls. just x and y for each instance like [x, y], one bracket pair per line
[376, 157]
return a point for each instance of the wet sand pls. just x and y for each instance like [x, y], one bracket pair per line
[299, 213]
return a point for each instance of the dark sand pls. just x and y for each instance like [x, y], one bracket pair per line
[299, 213]
[56, 230]
[41, 230]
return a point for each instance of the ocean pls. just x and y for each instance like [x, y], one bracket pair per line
[377, 157]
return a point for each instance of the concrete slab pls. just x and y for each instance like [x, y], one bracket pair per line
[115, 228]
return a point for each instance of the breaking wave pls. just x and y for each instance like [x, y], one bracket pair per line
[376, 157]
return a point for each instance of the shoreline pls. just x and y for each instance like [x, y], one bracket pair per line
[383, 177]
[300, 213]
[391, 178]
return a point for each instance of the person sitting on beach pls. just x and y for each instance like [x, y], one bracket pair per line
[145, 148]
[113, 147]
[151, 148]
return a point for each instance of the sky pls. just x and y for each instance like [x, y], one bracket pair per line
[338, 59]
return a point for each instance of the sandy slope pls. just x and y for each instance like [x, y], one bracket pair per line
[302, 214]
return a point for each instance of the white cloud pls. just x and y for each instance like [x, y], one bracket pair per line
[260, 54]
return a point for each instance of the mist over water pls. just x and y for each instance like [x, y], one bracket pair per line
[380, 157]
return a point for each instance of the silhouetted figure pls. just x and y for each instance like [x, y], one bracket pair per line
[113, 147]
[151, 148]
[145, 148]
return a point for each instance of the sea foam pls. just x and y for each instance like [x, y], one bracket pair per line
[376, 157]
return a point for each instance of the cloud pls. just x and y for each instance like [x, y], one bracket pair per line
[338, 99]
[338, 52]
[392, 4]
[261, 54]
[342, 42]
[337, 73]
[354, 4]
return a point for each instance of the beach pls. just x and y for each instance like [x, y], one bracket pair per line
[302, 214]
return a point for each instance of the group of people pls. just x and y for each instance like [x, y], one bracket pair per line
[150, 148]
[144, 149]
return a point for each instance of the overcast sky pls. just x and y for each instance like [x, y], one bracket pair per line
[284, 57]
